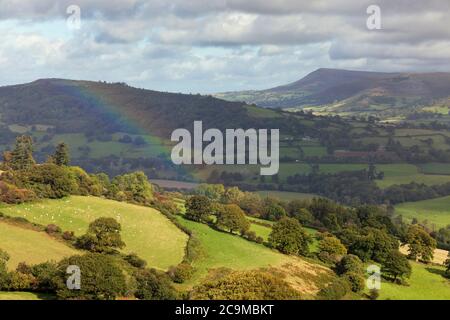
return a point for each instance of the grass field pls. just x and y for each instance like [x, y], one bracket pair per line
[230, 251]
[436, 211]
[24, 245]
[426, 283]
[406, 173]
[435, 168]
[23, 296]
[144, 230]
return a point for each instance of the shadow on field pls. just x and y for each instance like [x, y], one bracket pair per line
[436, 271]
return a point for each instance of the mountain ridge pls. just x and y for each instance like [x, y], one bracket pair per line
[342, 91]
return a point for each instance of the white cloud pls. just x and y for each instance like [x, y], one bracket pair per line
[217, 45]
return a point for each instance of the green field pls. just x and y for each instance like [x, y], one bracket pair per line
[436, 211]
[230, 251]
[25, 245]
[407, 173]
[435, 168]
[144, 230]
[23, 296]
[426, 283]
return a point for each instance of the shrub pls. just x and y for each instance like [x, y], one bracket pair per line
[245, 285]
[135, 261]
[47, 277]
[47, 181]
[52, 228]
[11, 194]
[154, 285]
[335, 291]
[18, 281]
[68, 235]
[356, 281]
[350, 263]
[181, 272]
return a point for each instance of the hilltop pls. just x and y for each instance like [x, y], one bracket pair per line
[348, 92]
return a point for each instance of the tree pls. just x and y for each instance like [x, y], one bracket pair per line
[289, 237]
[233, 195]
[350, 263]
[101, 278]
[273, 211]
[47, 181]
[215, 192]
[421, 244]
[132, 187]
[232, 218]
[154, 285]
[331, 249]
[61, 156]
[198, 208]
[103, 235]
[396, 265]
[22, 155]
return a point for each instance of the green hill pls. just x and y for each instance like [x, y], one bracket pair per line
[222, 250]
[426, 283]
[144, 230]
[32, 247]
[435, 211]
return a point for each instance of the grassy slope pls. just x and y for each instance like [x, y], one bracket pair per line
[436, 211]
[224, 250]
[144, 230]
[426, 282]
[24, 245]
[23, 296]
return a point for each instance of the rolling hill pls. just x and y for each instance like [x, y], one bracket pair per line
[145, 231]
[355, 93]
[32, 247]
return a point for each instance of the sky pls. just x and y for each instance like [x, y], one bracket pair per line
[207, 46]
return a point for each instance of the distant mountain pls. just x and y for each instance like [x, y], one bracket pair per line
[355, 92]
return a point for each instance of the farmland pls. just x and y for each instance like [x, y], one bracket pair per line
[144, 230]
[426, 283]
[25, 245]
[222, 250]
[435, 211]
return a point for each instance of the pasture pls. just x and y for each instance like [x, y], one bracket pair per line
[435, 211]
[32, 247]
[222, 250]
[145, 231]
[426, 283]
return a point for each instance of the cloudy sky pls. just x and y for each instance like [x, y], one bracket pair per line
[216, 45]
